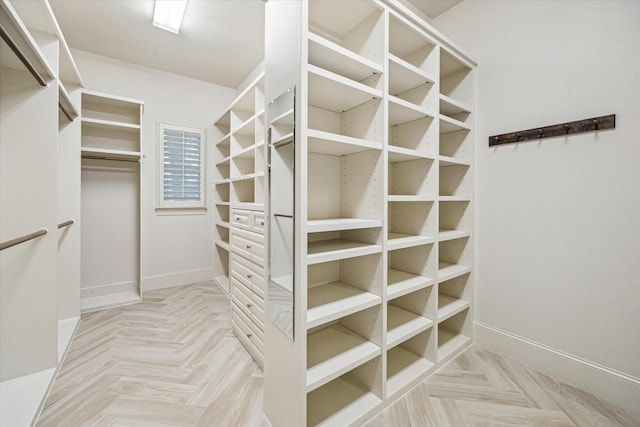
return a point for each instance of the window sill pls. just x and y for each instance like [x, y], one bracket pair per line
[180, 211]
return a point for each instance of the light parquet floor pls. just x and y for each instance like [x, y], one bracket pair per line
[173, 360]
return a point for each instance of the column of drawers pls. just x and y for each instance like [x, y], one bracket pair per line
[248, 284]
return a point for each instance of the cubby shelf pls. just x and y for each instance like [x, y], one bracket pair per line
[333, 351]
[337, 145]
[403, 367]
[404, 76]
[450, 342]
[410, 198]
[403, 324]
[400, 283]
[224, 224]
[454, 199]
[335, 58]
[444, 235]
[335, 249]
[224, 161]
[224, 141]
[333, 92]
[339, 403]
[89, 122]
[452, 161]
[332, 301]
[400, 241]
[337, 224]
[401, 111]
[449, 306]
[447, 125]
[448, 271]
[224, 245]
[246, 153]
[400, 154]
[451, 108]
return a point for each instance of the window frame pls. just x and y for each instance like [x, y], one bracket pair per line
[166, 207]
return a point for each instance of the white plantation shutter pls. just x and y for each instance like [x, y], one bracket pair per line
[182, 166]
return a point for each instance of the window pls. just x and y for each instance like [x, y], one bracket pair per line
[181, 167]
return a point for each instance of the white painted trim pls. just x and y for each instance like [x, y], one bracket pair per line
[606, 383]
[171, 280]
[22, 398]
[106, 290]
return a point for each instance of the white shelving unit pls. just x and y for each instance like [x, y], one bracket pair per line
[383, 279]
[240, 168]
[111, 190]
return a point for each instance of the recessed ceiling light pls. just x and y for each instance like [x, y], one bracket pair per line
[167, 14]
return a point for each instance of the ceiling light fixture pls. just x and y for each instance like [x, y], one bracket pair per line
[167, 14]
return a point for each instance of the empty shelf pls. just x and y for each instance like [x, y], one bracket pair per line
[400, 241]
[448, 271]
[403, 324]
[450, 342]
[110, 154]
[400, 283]
[449, 306]
[224, 245]
[403, 76]
[333, 92]
[410, 198]
[447, 125]
[335, 300]
[335, 58]
[339, 403]
[452, 161]
[444, 235]
[404, 367]
[451, 107]
[400, 154]
[334, 351]
[335, 249]
[338, 145]
[109, 124]
[337, 224]
[401, 111]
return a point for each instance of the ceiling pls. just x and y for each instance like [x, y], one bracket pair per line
[216, 43]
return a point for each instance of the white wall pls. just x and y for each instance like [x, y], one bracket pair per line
[175, 249]
[558, 221]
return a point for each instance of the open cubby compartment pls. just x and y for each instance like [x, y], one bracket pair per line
[342, 287]
[223, 168]
[335, 245]
[457, 145]
[244, 140]
[223, 232]
[243, 191]
[259, 193]
[221, 189]
[349, 400]
[412, 46]
[243, 109]
[455, 180]
[416, 135]
[357, 37]
[409, 362]
[346, 187]
[341, 345]
[411, 224]
[454, 334]
[410, 314]
[222, 212]
[222, 262]
[224, 146]
[410, 269]
[455, 220]
[454, 258]
[110, 109]
[223, 124]
[411, 177]
[242, 165]
[110, 138]
[454, 295]
[456, 81]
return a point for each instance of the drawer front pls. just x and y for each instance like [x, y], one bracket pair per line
[250, 275]
[246, 342]
[250, 331]
[258, 222]
[248, 245]
[254, 309]
[241, 218]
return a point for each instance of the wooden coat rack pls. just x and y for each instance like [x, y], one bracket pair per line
[578, 126]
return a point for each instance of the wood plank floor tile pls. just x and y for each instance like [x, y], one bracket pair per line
[173, 360]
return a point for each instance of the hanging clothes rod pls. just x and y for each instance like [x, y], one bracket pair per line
[21, 56]
[115, 159]
[65, 224]
[22, 239]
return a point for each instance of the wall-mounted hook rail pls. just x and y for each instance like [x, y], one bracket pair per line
[578, 126]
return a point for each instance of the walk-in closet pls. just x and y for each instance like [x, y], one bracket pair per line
[356, 213]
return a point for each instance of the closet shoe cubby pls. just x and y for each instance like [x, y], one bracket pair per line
[383, 207]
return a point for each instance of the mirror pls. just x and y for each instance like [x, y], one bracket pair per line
[280, 114]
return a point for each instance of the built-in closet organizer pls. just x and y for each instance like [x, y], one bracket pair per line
[239, 190]
[111, 163]
[383, 207]
[40, 193]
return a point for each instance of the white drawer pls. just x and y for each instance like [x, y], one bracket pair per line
[246, 342]
[249, 274]
[257, 222]
[246, 299]
[250, 330]
[241, 218]
[248, 245]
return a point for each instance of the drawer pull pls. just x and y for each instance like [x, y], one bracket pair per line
[249, 305]
[248, 246]
[249, 336]
[237, 218]
[249, 276]
[261, 222]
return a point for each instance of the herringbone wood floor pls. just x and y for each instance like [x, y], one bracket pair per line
[172, 360]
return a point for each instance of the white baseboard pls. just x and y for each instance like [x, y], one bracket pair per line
[106, 290]
[170, 280]
[608, 384]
